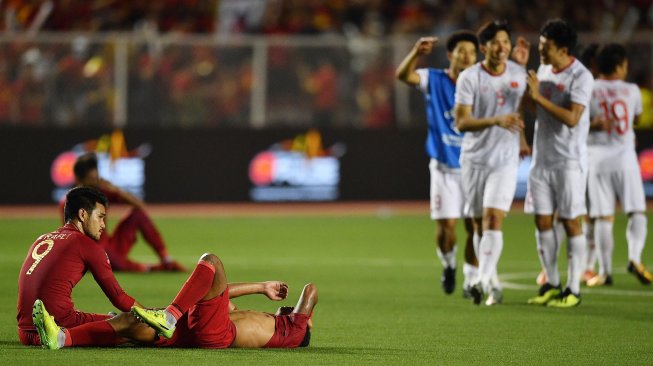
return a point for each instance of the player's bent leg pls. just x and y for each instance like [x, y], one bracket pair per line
[305, 305]
[307, 300]
[207, 281]
[219, 283]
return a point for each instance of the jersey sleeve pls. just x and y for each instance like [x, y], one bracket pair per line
[581, 89]
[100, 268]
[594, 105]
[465, 87]
[423, 80]
[637, 95]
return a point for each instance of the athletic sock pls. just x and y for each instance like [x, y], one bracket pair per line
[490, 251]
[576, 247]
[560, 234]
[448, 260]
[604, 245]
[195, 288]
[636, 236]
[476, 242]
[470, 274]
[588, 230]
[547, 249]
[97, 334]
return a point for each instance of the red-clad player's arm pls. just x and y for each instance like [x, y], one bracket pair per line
[99, 265]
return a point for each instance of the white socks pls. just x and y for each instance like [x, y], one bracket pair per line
[576, 247]
[470, 274]
[588, 230]
[448, 259]
[172, 321]
[636, 236]
[490, 248]
[605, 245]
[547, 249]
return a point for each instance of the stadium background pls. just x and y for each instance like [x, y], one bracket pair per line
[197, 89]
[220, 82]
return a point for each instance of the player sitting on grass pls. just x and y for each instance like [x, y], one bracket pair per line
[57, 261]
[120, 242]
[198, 317]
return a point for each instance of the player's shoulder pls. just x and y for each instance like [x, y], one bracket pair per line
[579, 70]
[471, 71]
[515, 68]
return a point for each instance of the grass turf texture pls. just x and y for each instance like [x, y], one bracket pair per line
[380, 300]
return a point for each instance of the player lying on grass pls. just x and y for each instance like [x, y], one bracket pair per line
[57, 261]
[198, 317]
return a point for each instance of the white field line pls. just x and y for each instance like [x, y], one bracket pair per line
[599, 291]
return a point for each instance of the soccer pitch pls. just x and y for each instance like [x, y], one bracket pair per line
[380, 300]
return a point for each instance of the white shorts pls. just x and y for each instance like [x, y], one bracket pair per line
[446, 193]
[558, 189]
[604, 188]
[488, 188]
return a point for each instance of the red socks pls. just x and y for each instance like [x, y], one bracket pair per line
[97, 334]
[196, 287]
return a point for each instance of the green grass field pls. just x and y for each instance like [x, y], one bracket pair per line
[380, 300]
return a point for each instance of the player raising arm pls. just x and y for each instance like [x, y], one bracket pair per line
[443, 147]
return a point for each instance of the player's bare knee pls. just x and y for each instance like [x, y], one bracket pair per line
[543, 223]
[213, 259]
[310, 292]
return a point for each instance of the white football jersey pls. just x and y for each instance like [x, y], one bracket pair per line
[620, 102]
[491, 95]
[555, 145]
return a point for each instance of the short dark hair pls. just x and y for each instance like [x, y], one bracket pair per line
[609, 57]
[560, 32]
[82, 197]
[461, 36]
[490, 29]
[84, 164]
[588, 54]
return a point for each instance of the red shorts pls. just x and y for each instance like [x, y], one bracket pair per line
[205, 325]
[289, 331]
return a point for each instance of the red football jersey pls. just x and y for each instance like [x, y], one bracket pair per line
[55, 263]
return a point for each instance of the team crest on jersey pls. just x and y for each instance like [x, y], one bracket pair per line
[560, 87]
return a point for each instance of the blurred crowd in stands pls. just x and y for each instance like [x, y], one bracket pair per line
[345, 81]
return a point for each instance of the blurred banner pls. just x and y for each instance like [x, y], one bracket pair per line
[231, 165]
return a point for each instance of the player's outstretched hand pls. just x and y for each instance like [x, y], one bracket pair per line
[424, 45]
[512, 122]
[275, 290]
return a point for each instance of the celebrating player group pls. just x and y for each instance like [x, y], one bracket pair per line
[475, 113]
